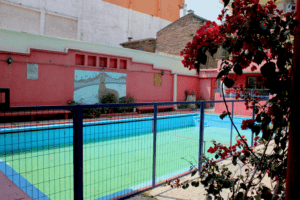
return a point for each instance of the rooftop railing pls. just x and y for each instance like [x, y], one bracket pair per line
[263, 94]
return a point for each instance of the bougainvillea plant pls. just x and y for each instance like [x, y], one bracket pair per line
[253, 35]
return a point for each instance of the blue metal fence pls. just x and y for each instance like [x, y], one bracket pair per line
[84, 134]
[264, 94]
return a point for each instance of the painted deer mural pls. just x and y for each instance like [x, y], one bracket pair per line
[105, 91]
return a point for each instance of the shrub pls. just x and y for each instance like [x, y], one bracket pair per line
[109, 99]
[183, 106]
[199, 99]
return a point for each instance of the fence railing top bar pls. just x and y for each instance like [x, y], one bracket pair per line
[24, 108]
[68, 107]
[150, 104]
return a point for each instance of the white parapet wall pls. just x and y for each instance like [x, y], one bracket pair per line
[18, 42]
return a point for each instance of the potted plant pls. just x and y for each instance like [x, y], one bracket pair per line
[186, 92]
[131, 99]
[199, 99]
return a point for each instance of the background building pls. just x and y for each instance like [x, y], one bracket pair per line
[285, 5]
[108, 22]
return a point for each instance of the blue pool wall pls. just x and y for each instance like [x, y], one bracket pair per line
[21, 138]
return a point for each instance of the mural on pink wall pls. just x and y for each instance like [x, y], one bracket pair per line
[90, 86]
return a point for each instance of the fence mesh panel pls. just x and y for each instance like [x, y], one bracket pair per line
[117, 152]
[120, 153]
[36, 152]
[177, 141]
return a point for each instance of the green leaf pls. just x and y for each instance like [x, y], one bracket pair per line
[281, 61]
[256, 129]
[258, 118]
[204, 182]
[197, 67]
[259, 57]
[257, 197]
[238, 69]
[243, 186]
[286, 32]
[277, 31]
[234, 160]
[268, 69]
[212, 51]
[226, 184]
[194, 172]
[264, 27]
[277, 139]
[283, 143]
[194, 183]
[247, 154]
[266, 134]
[221, 73]
[209, 198]
[226, 2]
[210, 189]
[249, 56]
[228, 82]
[224, 114]
[226, 44]
[282, 37]
[201, 57]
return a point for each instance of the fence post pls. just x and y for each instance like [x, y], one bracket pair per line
[154, 144]
[201, 134]
[253, 116]
[231, 124]
[78, 152]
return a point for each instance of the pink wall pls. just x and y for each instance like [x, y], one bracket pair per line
[239, 107]
[55, 83]
[187, 83]
[205, 88]
[242, 80]
[141, 86]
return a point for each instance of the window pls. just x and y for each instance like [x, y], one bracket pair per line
[32, 71]
[157, 79]
[254, 82]
[225, 54]
[290, 6]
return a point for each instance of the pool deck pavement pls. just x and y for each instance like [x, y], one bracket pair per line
[196, 193]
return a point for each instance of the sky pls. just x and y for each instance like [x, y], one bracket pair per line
[208, 9]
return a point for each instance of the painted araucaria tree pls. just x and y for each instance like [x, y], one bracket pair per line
[254, 34]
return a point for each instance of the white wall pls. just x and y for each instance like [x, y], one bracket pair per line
[19, 19]
[92, 21]
[14, 41]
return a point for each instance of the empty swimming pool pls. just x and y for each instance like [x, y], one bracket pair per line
[118, 154]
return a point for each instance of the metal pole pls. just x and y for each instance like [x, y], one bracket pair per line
[78, 153]
[252, 134]
[201, 134]
[231, 124]
[154, 144]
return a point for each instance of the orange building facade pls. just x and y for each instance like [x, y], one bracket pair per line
[164, 9]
